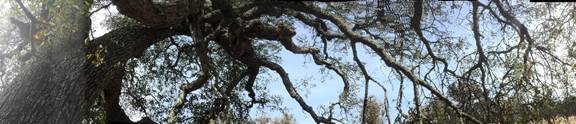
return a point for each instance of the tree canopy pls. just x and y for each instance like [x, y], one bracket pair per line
[212, 61]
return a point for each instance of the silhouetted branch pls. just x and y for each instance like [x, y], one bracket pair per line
[292, 91]
[252, 73]
[27, 11]
[380, 51]
[202, 52]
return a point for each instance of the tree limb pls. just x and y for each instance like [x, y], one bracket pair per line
[252, 73]
[154, 15]
[524, 34]
[205, 62]
[292, 91]
[26, 11]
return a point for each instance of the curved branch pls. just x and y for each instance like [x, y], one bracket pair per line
[319, 61]
[205, 61]
[100, 8]
[292, 91]
[523, 33]
[415, 23]
[284, 35]
[475, 29]
[129, 42]
[367, 79]
[504, 51]
[319, 26]
[493, 13]
[230, 88]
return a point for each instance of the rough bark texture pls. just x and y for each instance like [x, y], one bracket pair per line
[152, 14]
[52, 92]
[57, 87]
[50, 87]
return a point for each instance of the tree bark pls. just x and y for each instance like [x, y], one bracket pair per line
[58, 86]
[50, 87]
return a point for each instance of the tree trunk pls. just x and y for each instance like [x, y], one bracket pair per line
[50, 88]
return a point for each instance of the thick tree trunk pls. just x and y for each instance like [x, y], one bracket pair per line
[58, 86]
[48, 91]
[50, 88]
